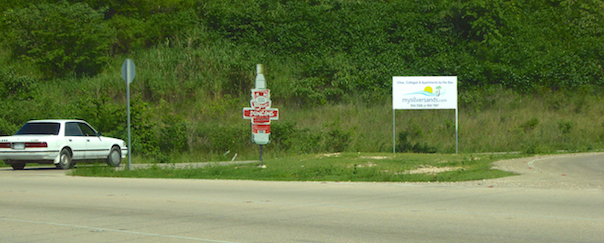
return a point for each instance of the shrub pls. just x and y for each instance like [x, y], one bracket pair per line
[14, 86]
[105, 116]
[284, 135]
[406, 145]
[530, 124]
[337, 140]
[173, 135]
[143, 129]
[565, 127]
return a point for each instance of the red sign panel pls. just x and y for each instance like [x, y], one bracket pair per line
[261, 116]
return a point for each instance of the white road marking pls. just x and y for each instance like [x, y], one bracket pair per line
[530, 163]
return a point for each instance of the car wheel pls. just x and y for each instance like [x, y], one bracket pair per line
[65, 160]
[19, 166]
[115, 157]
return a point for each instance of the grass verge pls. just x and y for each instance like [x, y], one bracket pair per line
[369, 167]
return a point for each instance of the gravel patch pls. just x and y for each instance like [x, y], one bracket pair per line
[431, 170]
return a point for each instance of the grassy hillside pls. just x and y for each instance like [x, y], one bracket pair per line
[530, 74]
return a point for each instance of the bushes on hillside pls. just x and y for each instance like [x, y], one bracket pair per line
[343, 47]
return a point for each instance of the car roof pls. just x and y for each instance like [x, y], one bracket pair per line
[56, 120]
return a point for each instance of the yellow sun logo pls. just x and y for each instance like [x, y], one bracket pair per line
[428, 89]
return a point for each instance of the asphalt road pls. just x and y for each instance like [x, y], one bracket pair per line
[589, 171]
[44, 205]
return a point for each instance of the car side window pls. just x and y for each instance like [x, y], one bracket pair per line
[72, 129]
[87, 130]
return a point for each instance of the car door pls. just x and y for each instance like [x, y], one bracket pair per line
[76, 141]
[96, 148]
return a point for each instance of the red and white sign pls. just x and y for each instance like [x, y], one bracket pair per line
[261, 112]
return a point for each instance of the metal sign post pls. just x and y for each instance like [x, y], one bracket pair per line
[260, 111]
[128, 73]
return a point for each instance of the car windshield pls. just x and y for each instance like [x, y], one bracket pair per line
[39, 128]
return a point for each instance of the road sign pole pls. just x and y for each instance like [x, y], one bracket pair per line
[261, 155]
[128, 73]
[129, 136]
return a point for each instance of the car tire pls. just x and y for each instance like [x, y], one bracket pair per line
[114, 159]
[19, 166]
[65, 160]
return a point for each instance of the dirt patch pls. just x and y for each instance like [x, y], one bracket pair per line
[431, 170]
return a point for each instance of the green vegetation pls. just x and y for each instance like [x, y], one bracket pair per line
[530, 73]
[59, 39]
[331, 167]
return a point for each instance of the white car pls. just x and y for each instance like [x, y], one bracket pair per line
[60, 142]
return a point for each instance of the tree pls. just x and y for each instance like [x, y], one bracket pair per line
[60, 38]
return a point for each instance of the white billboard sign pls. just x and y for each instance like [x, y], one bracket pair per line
[421, 93]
